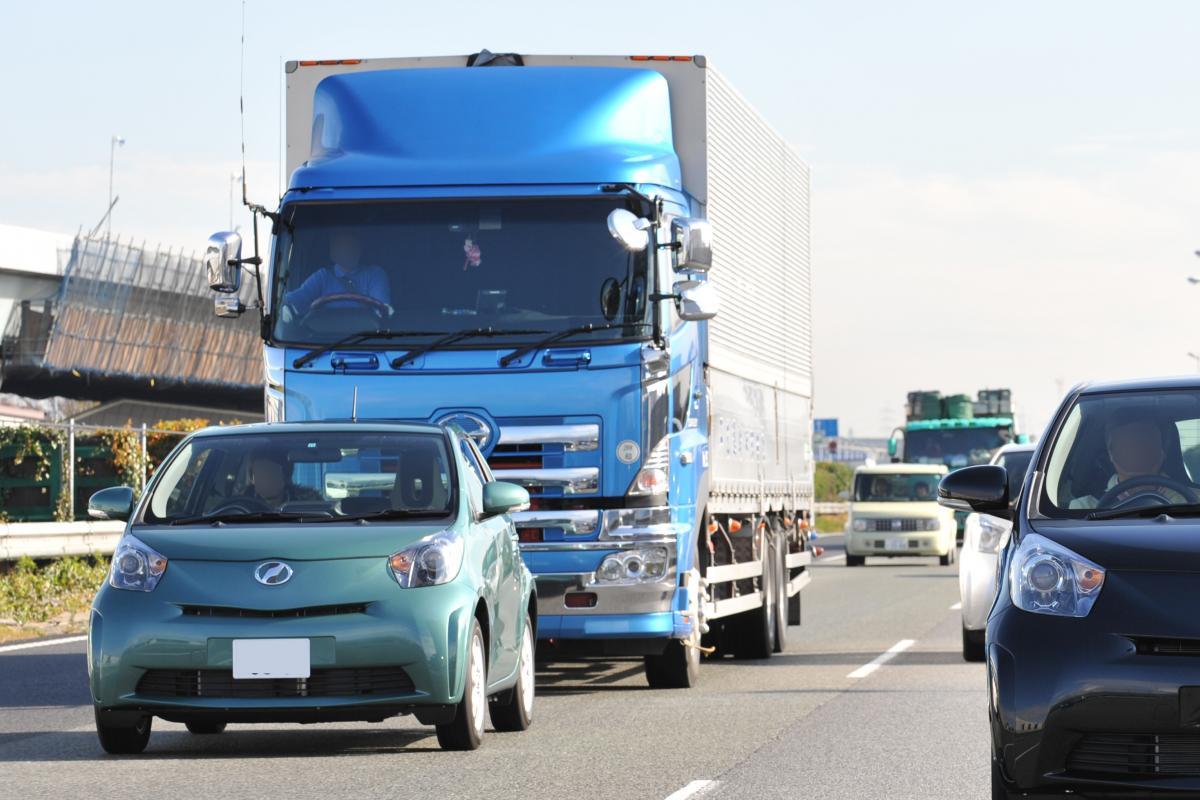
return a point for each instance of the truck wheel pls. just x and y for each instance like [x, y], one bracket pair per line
[855, 561]
[513, 710]
[123, 740]
[782, 606]
[755, 630]
[465, 731]
[678, 666]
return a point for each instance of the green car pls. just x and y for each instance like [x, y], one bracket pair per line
[315, 572]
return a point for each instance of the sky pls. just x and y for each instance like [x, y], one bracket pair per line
[1003, 194]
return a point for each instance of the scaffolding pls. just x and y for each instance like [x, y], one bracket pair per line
[132, 321]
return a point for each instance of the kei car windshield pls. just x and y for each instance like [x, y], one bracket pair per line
[897, 488]
[306, 476]
[432, 267]
[1124, 450]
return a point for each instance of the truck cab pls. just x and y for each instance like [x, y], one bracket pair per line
[894, 512]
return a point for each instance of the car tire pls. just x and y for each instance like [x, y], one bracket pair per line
[205, 727]
[465, 731]
[123, 740]
[973, 644]
[947, 559]
[512, 710]
[855, 561]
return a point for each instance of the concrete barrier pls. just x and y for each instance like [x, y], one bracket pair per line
[55, 539]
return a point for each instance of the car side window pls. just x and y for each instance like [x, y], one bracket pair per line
[1189, 445]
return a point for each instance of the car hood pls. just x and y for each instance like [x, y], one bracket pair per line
[1141, 545]
[312, 541]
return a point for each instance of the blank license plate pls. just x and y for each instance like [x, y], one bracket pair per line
[271, 658]
[895, 544]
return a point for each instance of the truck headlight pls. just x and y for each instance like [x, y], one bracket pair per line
[860, 525]
[645, 564]
[1047, 578]
[430, 562]
[136, 566]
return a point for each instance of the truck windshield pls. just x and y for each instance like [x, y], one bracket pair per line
[531, 266]
[897, 488]
[954, 447]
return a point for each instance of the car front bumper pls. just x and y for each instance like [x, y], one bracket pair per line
[1106, 703]
[922, 543]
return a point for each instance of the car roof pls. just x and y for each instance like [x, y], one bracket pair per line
[901, 468]
[1142, 384]
[324, 426]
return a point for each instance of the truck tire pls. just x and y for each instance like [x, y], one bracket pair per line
[855, 561]
[678, 666]
[782, 605]
[754, 630]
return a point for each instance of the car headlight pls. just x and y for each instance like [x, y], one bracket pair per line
[430, 562]
[993, 533]
[934, 524]
[1047, 578]
[646, 564]
[136, 566]
[860, 525]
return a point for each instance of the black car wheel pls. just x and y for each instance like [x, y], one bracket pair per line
[204, 727]
[123, 740]
[855, 561]
[973, 644]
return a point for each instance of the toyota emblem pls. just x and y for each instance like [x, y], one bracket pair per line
[273, 573]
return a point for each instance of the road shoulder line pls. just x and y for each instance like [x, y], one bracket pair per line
[881, 659]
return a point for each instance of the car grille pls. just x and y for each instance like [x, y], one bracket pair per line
[355, 682]
[1157, 646]
[1137, 754]
[913, 544]
[262, 613]
[893, 525]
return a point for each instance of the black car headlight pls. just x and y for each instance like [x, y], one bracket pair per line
[1047, 578]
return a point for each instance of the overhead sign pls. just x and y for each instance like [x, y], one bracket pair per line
[826, 427]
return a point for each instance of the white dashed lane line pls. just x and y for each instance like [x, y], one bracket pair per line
[881, 659]
[693, 789]
[956, 607]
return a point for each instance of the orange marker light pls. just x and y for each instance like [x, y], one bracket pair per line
[1089, 579]
[735, 525]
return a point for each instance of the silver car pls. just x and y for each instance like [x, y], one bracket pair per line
[984, 536]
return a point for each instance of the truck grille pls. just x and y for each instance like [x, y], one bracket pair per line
[1137, 754]
[354, 682]
[549, 458]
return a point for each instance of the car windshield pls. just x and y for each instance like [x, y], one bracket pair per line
[1015, 463]
[307, 476]
[954, 447]
[896, 488]
[1124, 451]
[534, 267]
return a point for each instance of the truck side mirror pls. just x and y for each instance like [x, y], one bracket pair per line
[693, 241]
[632, 231]
[697, 300]
[222, 259]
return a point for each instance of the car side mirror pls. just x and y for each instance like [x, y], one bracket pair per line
[982, 488]
[697, 300]
[115, 502]
[222, 260]
[693, 244]
[500, 497]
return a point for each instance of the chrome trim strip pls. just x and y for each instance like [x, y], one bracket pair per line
[573, 480]
[573, 438]
[578, 523]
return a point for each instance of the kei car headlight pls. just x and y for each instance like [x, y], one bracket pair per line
[860, 525]
[431, 561]
[993, 533]
[933, 524]
[136, 566]
[1047, 578]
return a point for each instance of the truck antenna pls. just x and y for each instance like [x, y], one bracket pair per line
[242, 103]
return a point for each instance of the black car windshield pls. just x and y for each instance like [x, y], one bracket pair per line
[308, 476]
[532, 267]
[895, 488]
[954, 447]
[1124, 451]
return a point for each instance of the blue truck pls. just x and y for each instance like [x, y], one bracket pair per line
[520, 246]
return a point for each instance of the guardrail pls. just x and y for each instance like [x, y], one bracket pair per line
[57, 539]
[831, 508]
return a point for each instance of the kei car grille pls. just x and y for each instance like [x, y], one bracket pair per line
[352, 682]
[893, 525]
[260, 613]
[1136, 754]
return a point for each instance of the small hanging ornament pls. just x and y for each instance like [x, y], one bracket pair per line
[474, 255]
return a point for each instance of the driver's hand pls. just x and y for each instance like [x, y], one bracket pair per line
[285, 312]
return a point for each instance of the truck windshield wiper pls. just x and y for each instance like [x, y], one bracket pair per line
[255, 516]
[355, 338]
[451, 338]
[1171, 510]
[559, 336]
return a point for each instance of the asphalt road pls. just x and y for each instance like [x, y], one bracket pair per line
[814, 722]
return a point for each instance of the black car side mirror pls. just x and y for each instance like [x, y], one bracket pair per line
[982, 488]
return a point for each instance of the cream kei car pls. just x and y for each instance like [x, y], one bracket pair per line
[894, 512]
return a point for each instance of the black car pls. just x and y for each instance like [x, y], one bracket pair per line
[1093, 645]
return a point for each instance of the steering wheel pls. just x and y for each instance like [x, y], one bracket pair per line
[1150, 482]
[246, 505]
[380, 309]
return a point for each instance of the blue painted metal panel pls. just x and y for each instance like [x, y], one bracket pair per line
[608, 626]
[464, 126]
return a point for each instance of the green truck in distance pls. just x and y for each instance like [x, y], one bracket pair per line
[954, 429]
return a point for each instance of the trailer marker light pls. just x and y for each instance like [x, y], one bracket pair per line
[735, 525]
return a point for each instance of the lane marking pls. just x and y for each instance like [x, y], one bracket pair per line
[957, 606]
[691, 790]
[881, 659]
[8, 648]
